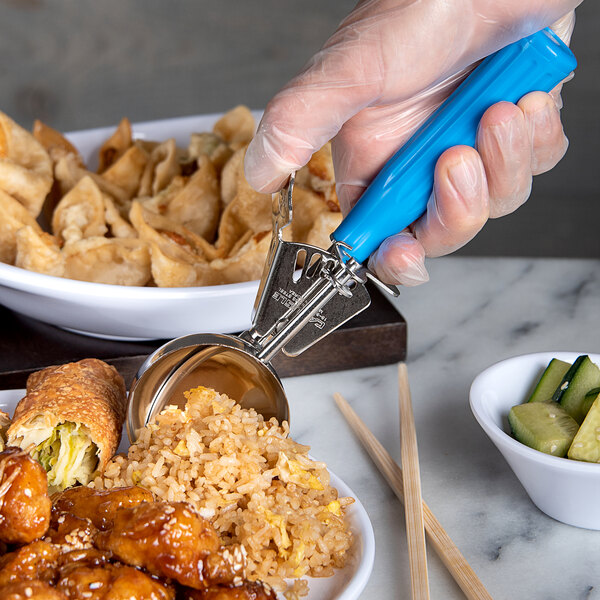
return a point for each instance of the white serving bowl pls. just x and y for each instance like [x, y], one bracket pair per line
[566, 490]
[123, 312]
[126, 312]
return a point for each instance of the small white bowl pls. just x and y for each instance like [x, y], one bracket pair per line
[566, 490]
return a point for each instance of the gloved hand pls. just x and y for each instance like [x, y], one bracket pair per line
[388, 66]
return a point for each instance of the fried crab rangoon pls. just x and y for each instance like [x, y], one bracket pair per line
[25, 166]
[153, 213]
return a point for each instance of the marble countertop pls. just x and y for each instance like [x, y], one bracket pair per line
[473, 313]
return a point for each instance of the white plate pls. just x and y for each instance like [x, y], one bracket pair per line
[123, 312]
[346, 583]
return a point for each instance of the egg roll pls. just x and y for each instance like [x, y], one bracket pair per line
[71, 420]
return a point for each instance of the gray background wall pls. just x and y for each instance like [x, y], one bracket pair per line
[81, 63]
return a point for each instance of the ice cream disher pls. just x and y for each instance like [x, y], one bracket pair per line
[306, 292]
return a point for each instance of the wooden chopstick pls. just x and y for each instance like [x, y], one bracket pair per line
[445, 548]
[411, 484]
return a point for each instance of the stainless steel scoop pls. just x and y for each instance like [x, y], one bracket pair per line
[296, 307]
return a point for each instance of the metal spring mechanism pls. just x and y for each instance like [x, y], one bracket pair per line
[295, 307]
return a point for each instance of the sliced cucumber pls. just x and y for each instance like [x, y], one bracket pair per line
[549, 381]
[582, 376]
[566, 380]
[586, 443]
[588, 400]
[544, 426]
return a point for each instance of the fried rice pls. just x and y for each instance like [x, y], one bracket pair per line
[255, 484]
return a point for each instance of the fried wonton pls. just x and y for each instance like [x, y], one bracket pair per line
[153, 213]
[68, 172]
[318, 175]
[162, 166]
[193, 202]
[13, 216]
[320, 233]
[231, 174]
[39, 251]
[54, 142]
[211, 145]
[245, 208]
[236, 127]
[308, 205]
[57, 147]
[249, 213]
[25, 167]
[245, 265]
[117, 225]
[80, 213]
[171, 269]
[115, 146]
[175, 240]
[118, 261]
[126, 172]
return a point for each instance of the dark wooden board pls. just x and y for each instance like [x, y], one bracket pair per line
[377, 336]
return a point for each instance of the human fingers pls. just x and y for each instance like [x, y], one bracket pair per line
[547, 139]
[564, 26]
[400, 260]
[503, 143]
[456, 211]
[385, 52]
[459, 204]
[369, 139]
[517, 142]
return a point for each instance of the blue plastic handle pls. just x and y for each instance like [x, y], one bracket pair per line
[399, 193]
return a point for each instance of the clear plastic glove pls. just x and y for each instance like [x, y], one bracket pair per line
[388, 66]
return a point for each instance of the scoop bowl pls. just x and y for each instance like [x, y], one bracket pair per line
[222, 362]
